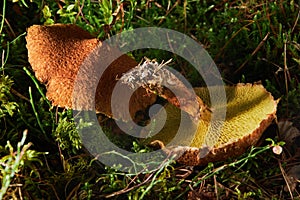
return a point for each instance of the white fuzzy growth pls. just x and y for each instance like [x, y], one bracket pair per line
[148, 74]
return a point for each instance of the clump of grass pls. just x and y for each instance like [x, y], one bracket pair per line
[7, 107]
[67, 135]
[13, 163]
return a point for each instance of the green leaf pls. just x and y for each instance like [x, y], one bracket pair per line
[46, 12]
[70, 7]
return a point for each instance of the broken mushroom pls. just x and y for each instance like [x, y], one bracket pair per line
[56, 53]
[250, 110]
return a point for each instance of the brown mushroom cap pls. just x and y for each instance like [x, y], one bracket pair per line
[250, 110]
[57, 51]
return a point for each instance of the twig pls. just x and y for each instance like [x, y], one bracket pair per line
[168, 12]
[20, 193]
[15, 92]
[55, 193]
[216, 187]
[185, 175]
[185, 15]
[254, 52]
[125, 190]
[285, 179]
[3, 16]
[80, 12]
[2, 61]
[286, 71]
[10, 28]
[234, 35]
[296, 22]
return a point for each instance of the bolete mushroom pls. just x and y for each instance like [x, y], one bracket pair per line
[56, 53]
[250, 110]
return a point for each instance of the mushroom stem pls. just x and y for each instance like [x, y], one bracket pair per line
[158, 79]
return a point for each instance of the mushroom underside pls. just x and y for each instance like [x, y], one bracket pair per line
[250, 110]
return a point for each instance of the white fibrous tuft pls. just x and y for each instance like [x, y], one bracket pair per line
[157, 78]
[149, 74]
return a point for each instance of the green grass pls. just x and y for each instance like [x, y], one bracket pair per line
[249, 41]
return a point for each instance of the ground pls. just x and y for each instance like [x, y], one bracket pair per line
[41, 152]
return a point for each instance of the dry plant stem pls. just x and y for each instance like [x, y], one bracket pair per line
[285, 179]
[296, 22]
[216, 187]
[254, 52]
[286, 70]
[233, 36]
[127, 189]
[185, 14]
[150, 178]
[168, 12]
[58, 4]
[80, 12]
[55, 193]
[228, 190]
[10, 28]
[187, 172]
[286, 73]
[242, 161]
[20, 192]
[119, 11]
[15, 92]
[73, 192]
[2, 60]
[3, 16]
[269, 19]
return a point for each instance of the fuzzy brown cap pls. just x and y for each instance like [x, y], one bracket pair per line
[57, 51]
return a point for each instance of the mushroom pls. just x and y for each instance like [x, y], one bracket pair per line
[56, 53]
[250, 110]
